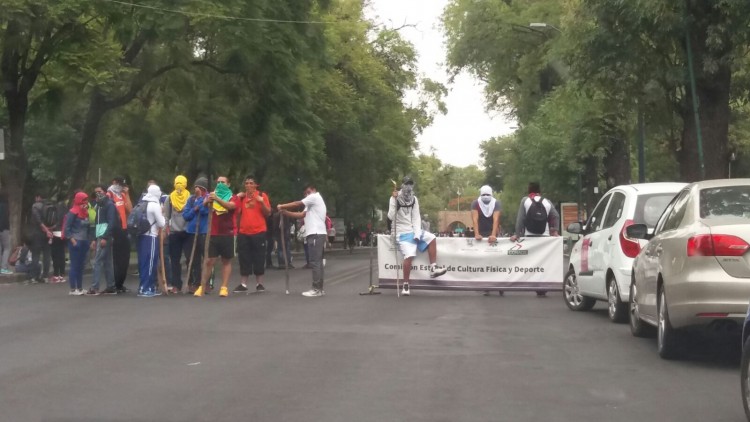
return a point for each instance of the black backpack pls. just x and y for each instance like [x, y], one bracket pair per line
[49, 215]
[536, 216]
[138, 220]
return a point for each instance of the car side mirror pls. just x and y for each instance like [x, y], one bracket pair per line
[638, 231]
[575, 228]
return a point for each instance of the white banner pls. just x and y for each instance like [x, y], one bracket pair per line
[530, 264]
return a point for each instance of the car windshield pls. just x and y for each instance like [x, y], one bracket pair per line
[726, 201]
[649, 208]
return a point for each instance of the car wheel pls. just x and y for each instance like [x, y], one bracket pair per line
[572, 295]
[638, 328]
[618, 311]
[744, 379]
[667, 338]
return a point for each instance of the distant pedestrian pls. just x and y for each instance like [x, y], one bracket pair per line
[119, 193]
[148, 244]
[106, 222]
[178, 237]
[43, 220]
[221, 244]
[5, 244]
[403, 210]
[76, 230]
[537, 217]
[351, 237]
[314, 214]
[195, 212]
[253, 208]
[57, 247]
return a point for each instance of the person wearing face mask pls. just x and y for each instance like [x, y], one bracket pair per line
[119, 193]
[485, 213]
[195, 214]
[148, 246]
[76, 230]
[105, 222]
[176, 227]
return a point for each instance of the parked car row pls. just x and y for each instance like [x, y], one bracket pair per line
[669, 258]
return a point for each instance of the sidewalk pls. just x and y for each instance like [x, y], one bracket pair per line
[22, 277]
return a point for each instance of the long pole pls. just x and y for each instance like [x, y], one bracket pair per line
[185, 287]
[283, 252]
[205, 274]
[641, 147]
[693, 89]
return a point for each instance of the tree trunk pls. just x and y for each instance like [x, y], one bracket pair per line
[617, 169]
[714, 113]
[14, 168]
[94, 116]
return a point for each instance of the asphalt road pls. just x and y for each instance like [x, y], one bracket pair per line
[434, 356]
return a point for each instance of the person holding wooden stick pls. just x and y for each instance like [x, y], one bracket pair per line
[221, 239]
[314, 214]
[148, 248]
[195, 214]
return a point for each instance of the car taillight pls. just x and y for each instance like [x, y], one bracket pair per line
[630, 247]
[716, 245]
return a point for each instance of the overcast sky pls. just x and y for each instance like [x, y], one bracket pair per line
[457, 134]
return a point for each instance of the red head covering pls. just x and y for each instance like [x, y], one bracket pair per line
[79, 205]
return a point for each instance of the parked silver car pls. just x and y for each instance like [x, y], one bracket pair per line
[695, 270]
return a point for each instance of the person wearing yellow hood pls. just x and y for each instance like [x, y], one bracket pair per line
[179, 242]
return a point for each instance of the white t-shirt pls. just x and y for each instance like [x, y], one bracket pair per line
[315, 219]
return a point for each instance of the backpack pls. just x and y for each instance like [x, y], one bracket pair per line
[49, 215]
[138, 220]
[536, 216]
[329, 223]
[15, 256]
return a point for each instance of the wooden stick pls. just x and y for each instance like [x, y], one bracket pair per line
[283, 252]
[163, 278]
[186, 286]
[204, 278]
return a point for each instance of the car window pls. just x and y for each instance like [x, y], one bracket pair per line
[649, 208]
[614, 212]
[678, 212]
[726, 201]
[595, 222]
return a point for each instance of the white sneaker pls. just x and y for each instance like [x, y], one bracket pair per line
[73, 293]
[405, 291]
[80, 292]
[312, 293]
[436, 272]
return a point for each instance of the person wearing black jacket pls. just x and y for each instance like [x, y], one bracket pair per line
[106, 221]
[5, 246]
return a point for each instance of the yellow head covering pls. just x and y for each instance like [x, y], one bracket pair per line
[178, 198]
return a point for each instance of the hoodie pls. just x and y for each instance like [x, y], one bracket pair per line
[153, 210]
[190, 215]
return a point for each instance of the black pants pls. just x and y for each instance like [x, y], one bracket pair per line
[58, 257]
[40, 249]
[269, 250]
[120, 256]
[251, 250]
[179, 246]
[194, 279]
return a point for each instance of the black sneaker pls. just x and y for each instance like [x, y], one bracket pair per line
[123, 289]
[240, 289]
[109, 291]
[259, 288]
[92, 292]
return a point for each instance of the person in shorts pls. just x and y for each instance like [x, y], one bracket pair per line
[403, 210]
[221, 243]
[253, 208]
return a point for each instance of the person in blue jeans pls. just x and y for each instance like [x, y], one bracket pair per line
[76, 230]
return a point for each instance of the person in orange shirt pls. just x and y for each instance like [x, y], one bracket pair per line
[254, 207]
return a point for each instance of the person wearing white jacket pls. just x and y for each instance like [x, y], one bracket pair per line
[148, 244]
[403, 210]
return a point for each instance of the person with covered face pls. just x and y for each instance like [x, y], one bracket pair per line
[148, 244]
[485, 213]
[106, 222]
[76, 230]
[403, 210]
[119, 193]
[179, 239]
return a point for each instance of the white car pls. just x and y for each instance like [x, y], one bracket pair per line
[601, 261]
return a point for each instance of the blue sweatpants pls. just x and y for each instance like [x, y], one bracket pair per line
[148, 258]
[77, 263]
